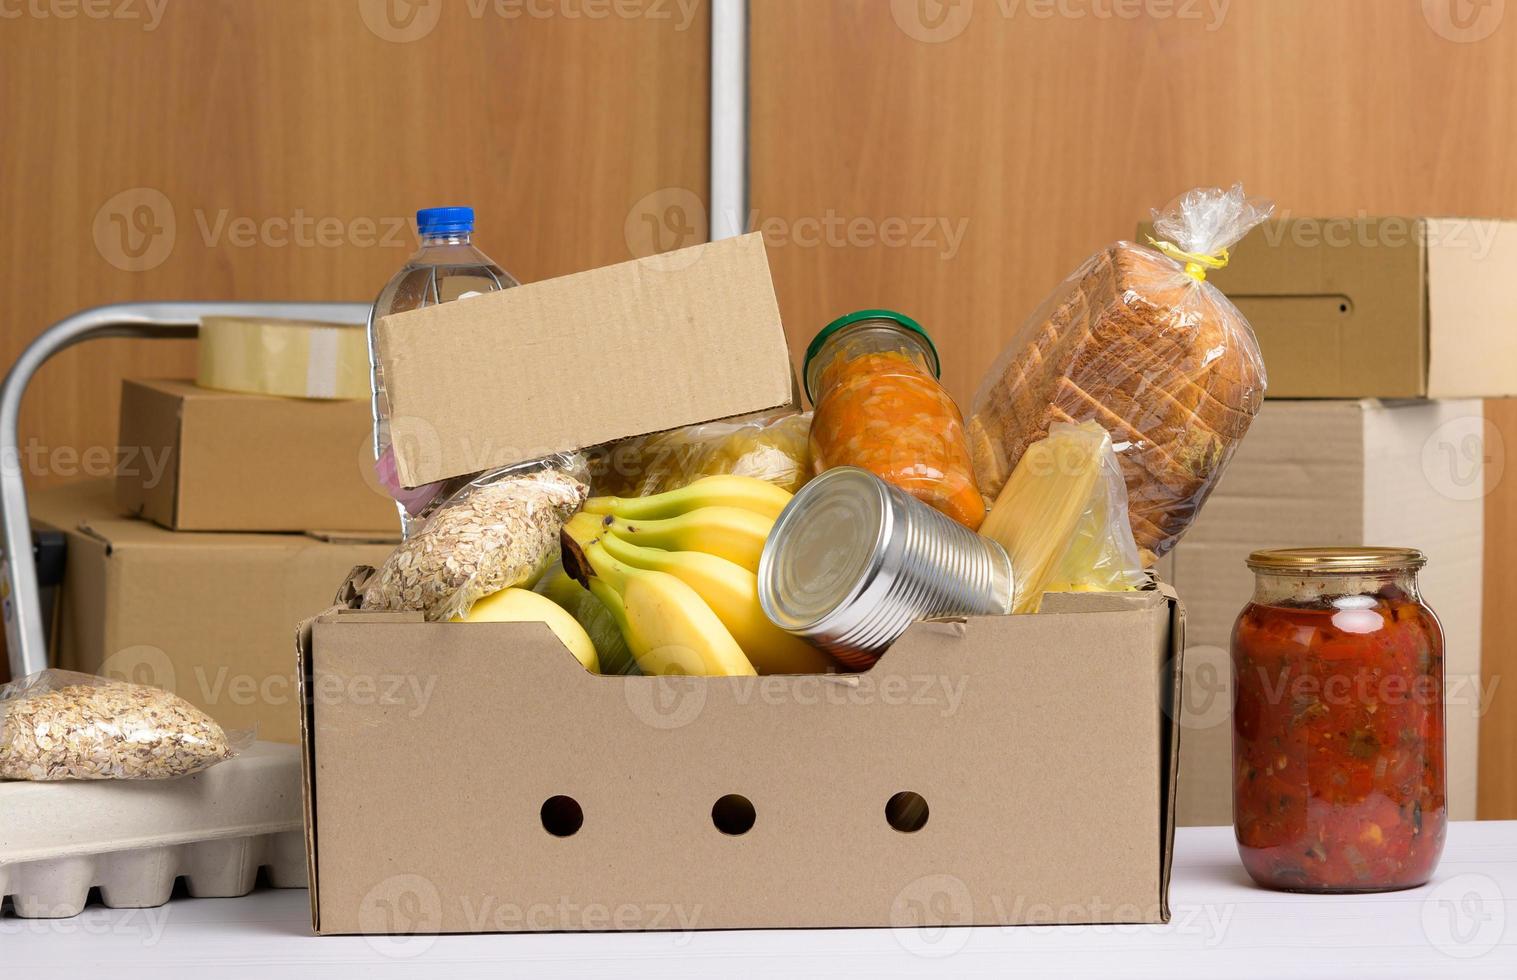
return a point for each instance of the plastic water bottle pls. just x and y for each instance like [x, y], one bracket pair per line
[446, 267]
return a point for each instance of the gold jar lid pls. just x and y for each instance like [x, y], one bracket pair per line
[1320, 560]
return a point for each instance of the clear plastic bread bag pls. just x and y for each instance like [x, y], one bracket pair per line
[769, 447]
[1138, 341]
[498, 531]
[58, 724]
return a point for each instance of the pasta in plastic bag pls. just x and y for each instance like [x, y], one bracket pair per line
[1062, 518]
[1102, 555]
[58, 724]
[770, 447]
[1138, 341]
[498, 531]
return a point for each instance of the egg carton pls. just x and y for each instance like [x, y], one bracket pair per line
[133, 839]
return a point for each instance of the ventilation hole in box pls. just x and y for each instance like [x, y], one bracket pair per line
[562, 816]
[906, 812]
[733, 815]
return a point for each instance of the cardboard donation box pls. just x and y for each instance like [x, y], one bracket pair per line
[196, 459]
[479, 778]
[207, 616]
[1381, 307]
[1310, 473]
[474, 777]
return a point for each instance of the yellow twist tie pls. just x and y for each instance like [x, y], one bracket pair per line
[1196, 263]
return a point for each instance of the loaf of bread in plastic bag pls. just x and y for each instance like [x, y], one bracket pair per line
[1138, 341]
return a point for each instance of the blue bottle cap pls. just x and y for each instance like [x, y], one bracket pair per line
[444, 221]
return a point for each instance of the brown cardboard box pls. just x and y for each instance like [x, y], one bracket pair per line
[1042, 746]
[1380, 307]
[196, 459]
[207, 616]
[670, 340]
[1335, 473]
[472, 777]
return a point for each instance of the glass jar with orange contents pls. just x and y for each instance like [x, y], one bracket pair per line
[1338, 722]
[873, 377]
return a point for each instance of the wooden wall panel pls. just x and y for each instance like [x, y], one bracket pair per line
[1045, 137]
[1498, 726]
[1039, 130]
[290, 142]
[277, 149]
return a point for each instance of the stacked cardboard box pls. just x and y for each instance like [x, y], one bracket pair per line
[1380, 337]
[235, 515]
[209, 616]
[198, 459]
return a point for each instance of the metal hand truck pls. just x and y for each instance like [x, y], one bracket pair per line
[20, 596]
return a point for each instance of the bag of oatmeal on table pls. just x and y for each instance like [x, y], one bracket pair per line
[58, 724]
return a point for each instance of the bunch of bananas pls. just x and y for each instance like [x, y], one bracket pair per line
[677, 573]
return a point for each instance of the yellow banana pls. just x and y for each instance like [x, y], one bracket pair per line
[743, 492]
[667, 625]
[732, 593]
[727, 532]
[524, 606]
[590, 613]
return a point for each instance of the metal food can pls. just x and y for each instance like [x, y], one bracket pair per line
[853, 561]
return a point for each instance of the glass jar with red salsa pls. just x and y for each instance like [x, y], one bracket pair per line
[1338, 730]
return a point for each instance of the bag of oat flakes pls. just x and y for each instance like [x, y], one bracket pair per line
[58, 724]
[497, 532]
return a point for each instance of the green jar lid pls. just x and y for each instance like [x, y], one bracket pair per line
[891, 316]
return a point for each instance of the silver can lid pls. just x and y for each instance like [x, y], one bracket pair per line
[825, 550]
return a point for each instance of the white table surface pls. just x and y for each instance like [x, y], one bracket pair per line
[1461, 925]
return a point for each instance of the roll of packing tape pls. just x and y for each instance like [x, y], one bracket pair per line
[292, 358]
